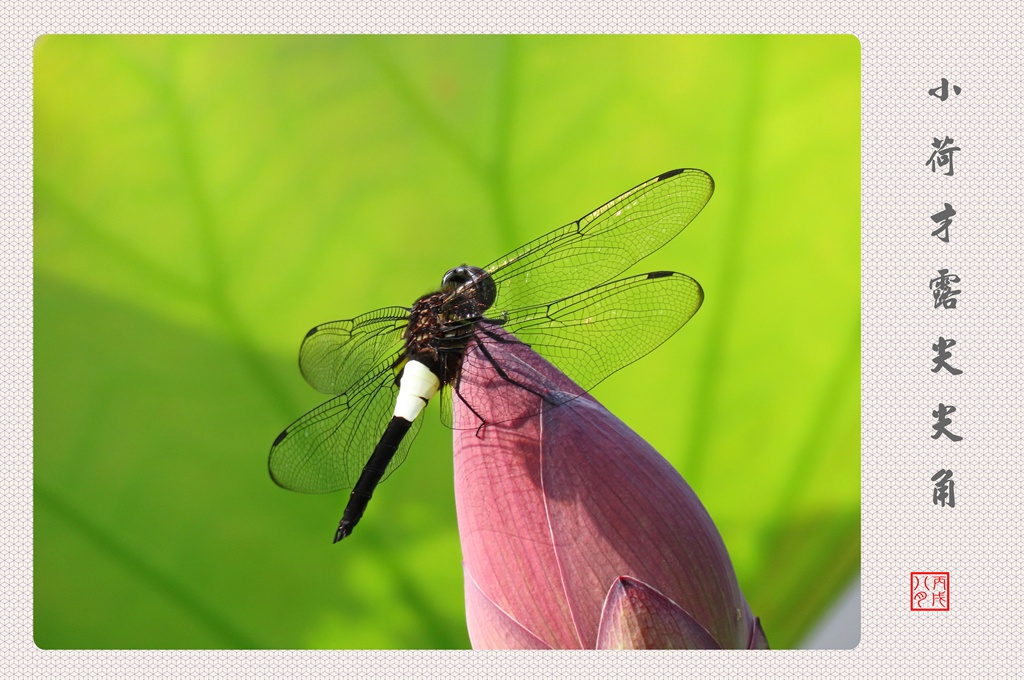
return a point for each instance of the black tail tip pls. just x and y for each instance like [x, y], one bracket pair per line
[344, 529]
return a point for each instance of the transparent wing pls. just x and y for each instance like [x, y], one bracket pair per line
[592, 334]
[335, 355]
[444, 402]
[326, 448]
[603, 243]
[587, 336]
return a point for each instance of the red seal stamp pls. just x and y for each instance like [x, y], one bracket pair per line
[929, 591]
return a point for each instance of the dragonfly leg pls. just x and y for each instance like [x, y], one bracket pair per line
[501, 372]
[458, 393]
[498, 337]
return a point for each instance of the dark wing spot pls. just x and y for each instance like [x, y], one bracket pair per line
[671, 173]
[280, 437]
[659, 275]
[312, 330]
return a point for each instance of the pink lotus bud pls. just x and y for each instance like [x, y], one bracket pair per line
[575, 532]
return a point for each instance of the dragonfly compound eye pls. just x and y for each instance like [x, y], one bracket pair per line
[486, 291]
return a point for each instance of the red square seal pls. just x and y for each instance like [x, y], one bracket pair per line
[929, 591]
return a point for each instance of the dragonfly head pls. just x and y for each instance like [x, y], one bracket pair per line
[481, 285]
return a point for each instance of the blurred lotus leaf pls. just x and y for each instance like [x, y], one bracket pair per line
[202, 201]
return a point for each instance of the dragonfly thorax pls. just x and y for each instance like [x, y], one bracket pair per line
[439, 328]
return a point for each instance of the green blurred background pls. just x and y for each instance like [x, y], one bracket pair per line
[200, 202]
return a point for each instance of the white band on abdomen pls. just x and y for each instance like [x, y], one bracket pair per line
[417, 386]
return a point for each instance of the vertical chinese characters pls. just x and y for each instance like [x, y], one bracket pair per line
[942, 91]
[943, 293]
[943, 218]
[943, 355]
[944, 289]
[942, 155]
[942, 493]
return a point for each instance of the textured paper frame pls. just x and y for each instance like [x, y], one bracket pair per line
[906, 48]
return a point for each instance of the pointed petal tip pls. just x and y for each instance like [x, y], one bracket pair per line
[637, 616]
[758, 640]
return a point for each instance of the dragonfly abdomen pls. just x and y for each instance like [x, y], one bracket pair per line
[372, 473]
[415, 388]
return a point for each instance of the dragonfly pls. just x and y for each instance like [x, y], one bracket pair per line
[558, 294]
